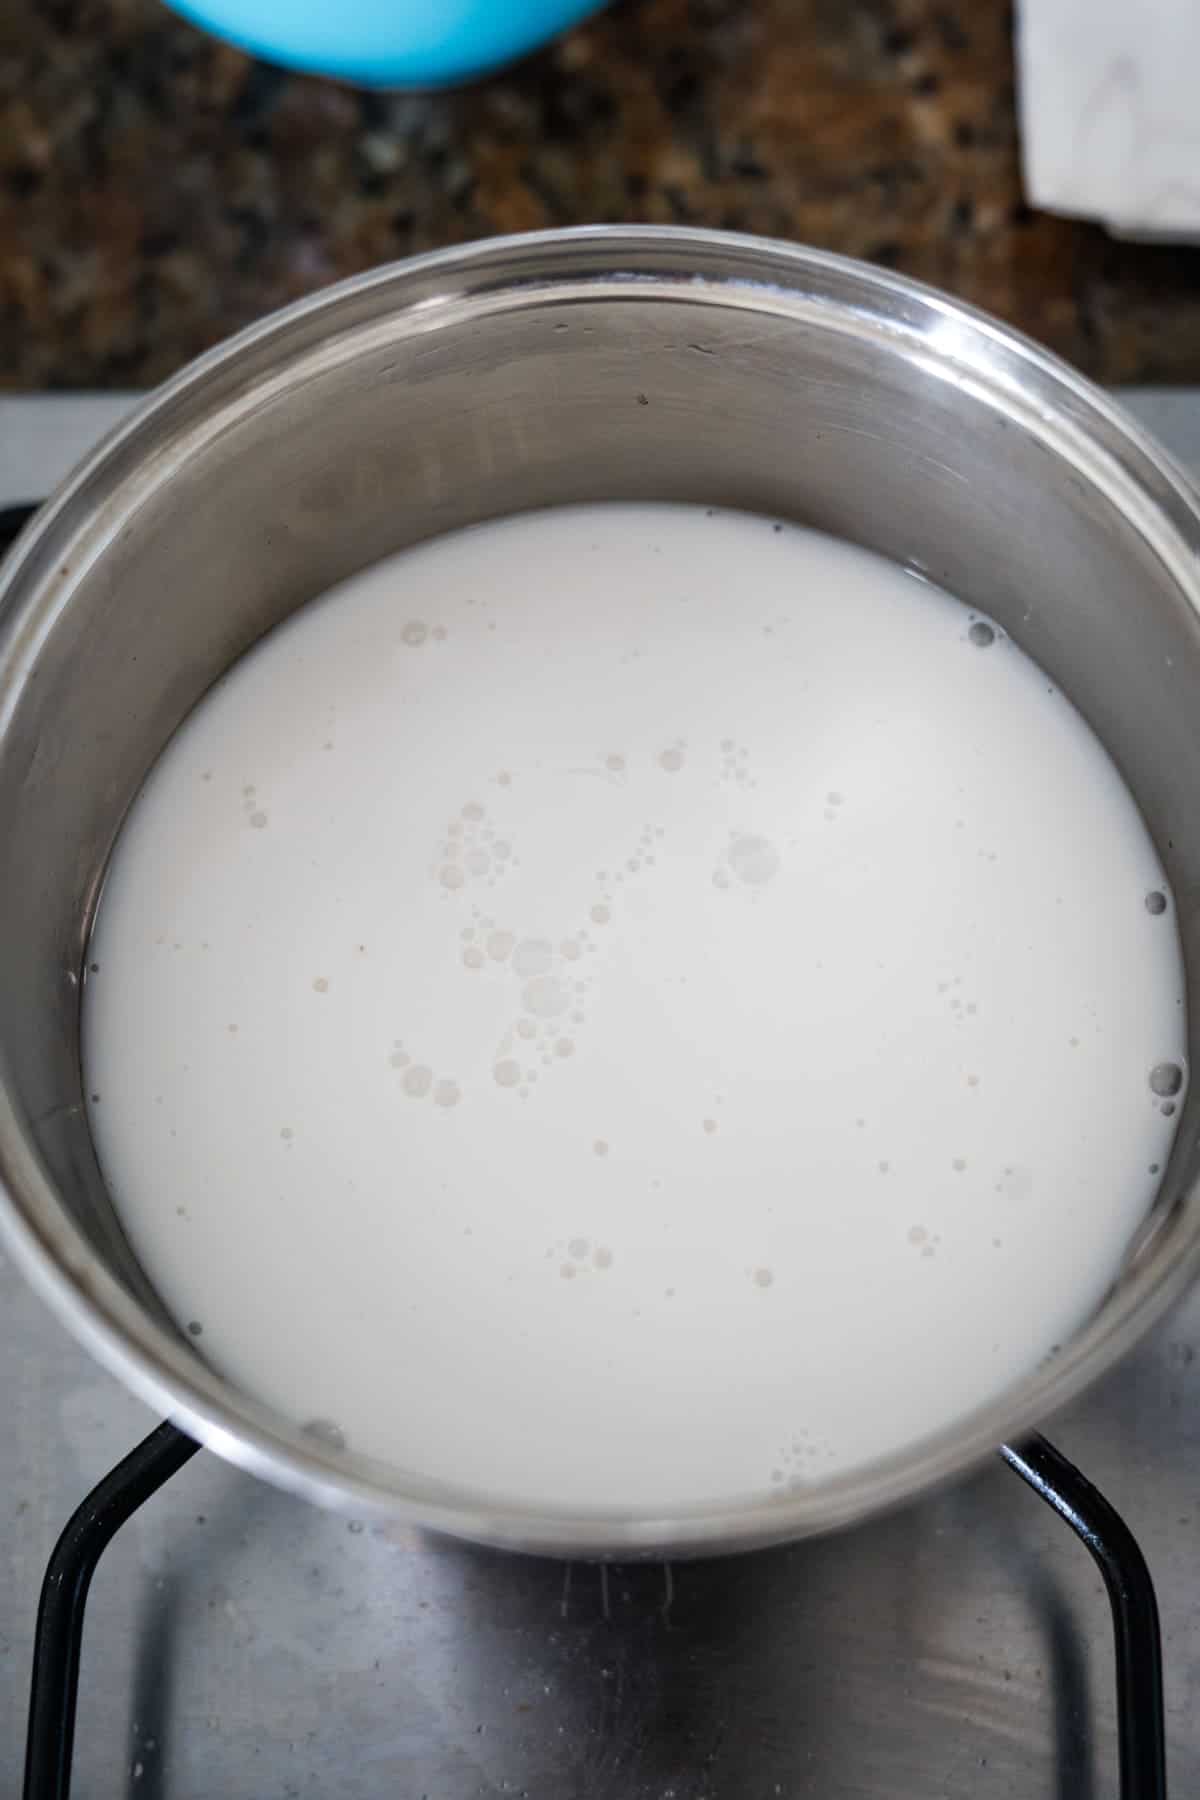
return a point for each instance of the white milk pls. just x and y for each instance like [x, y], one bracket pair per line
[630, 1005]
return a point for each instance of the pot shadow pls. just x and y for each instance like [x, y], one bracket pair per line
[215, 1518]
[865, 1662]
[163, 1615]
[1021, 1548]
[731, 1675]
[862, 1662]
[1070, 1690]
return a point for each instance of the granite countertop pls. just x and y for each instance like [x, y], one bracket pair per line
[158, 189]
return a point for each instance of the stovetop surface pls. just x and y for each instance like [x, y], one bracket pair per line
[241, 1644]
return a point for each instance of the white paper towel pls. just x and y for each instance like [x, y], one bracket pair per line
[1110, 112]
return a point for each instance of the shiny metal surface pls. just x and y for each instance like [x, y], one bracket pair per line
[242, 1644]
[601, 364]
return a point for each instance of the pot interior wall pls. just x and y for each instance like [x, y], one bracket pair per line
[259, 496]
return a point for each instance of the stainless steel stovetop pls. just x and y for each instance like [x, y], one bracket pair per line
[241, 1645]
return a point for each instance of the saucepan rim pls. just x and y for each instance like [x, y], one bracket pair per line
[1073, 419]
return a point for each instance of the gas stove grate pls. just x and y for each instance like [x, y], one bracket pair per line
[1137, 1640]
[59, 1632]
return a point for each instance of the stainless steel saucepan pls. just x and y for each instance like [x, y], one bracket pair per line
[602, 364]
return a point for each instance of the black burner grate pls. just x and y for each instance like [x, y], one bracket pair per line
[68, 1576]
[1138, 1642]
[59, 1633]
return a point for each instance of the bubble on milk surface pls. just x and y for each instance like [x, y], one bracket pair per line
[545, 997]
[325, 1432]
[532, 956]
[753, 860]
[1166, 1079]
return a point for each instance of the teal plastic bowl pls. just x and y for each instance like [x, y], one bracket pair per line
[389, 43]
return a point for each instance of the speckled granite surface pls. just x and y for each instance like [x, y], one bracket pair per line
[158, 190]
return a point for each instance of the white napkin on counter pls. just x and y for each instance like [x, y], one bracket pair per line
[1110, 112]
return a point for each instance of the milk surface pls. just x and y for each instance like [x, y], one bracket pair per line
[631, 1006]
